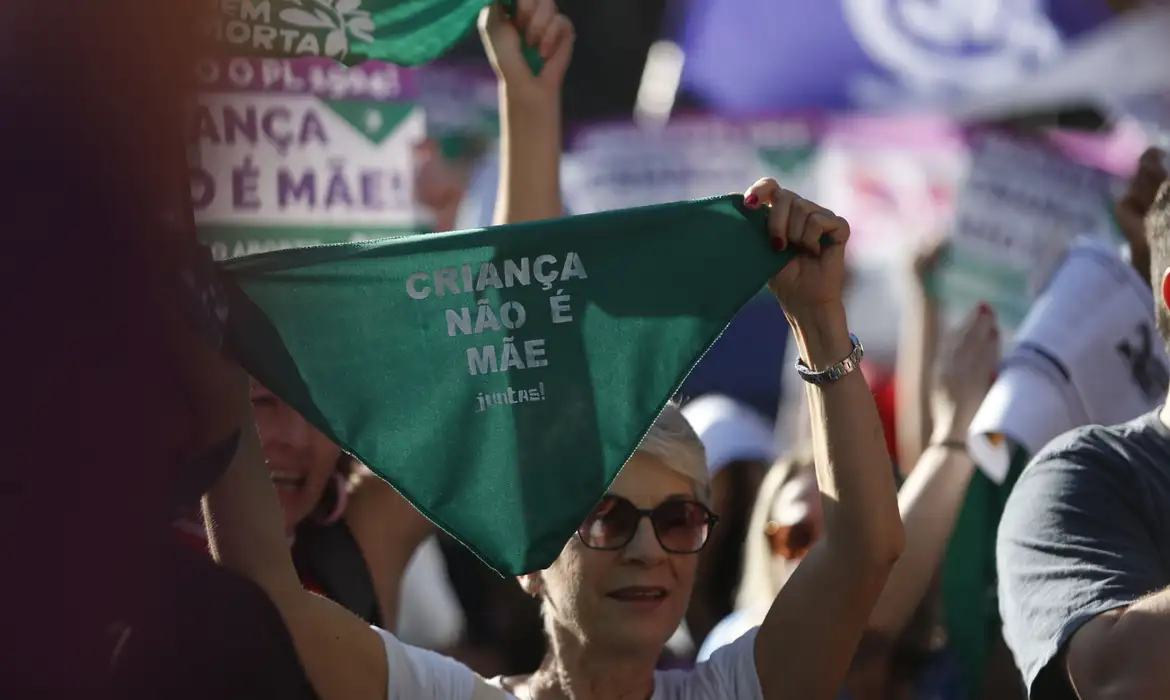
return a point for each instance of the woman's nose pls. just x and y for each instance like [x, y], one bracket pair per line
[644, 547]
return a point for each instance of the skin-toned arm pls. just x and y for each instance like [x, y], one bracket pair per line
[1121, 654]
[530, 107]
[805, 645]
[388, 530]
[932, 496]
[342, 656]
[917, 351]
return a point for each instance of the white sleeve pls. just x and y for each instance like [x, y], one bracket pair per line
[419, 674]
[429, 615]
[730, 674]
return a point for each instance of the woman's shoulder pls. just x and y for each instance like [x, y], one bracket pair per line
[729, 672]
[421, 674]
[730, 629]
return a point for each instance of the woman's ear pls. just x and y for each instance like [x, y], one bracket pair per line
[531, 583]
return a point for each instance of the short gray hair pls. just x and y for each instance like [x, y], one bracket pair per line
[676, 444]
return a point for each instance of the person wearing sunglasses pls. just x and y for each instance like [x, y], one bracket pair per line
[622, 583]
[787, 521]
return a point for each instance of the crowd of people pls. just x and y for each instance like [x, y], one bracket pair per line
[716, 566]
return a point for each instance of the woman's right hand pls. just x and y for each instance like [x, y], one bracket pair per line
[815, 277]
[538, 24]
[965, 372]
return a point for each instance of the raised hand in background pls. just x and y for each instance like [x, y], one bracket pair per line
[1133, 205]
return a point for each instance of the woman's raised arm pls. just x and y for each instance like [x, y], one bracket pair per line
[806, 643]
[342, 656]
[530, 107]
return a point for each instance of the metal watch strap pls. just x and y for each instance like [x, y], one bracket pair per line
[834, 372]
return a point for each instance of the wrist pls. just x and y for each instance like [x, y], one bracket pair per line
[530, 103]
[948, 432]
[821, 333]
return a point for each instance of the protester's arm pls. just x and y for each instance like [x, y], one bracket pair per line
[388, 530]
[1078, 568]
[342, 656]
[530, 107]
[804, 647]
[1121, 654]
[1131, 209]
[933, 494]
[917, 350]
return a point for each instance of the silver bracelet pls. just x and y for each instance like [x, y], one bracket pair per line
[832, 373]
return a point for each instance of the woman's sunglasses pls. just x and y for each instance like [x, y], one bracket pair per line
[792, 542]
[681, 527]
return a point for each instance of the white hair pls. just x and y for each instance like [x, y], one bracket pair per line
[676, 444]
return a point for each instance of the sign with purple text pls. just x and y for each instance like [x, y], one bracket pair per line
[289, 153]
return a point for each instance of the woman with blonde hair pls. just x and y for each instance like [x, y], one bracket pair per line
[787, 522]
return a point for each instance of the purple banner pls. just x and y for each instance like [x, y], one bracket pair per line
[748, 56]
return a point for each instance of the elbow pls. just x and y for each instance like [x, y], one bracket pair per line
[888, 548]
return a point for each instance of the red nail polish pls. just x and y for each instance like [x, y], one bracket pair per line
[984, 308]
[779, 244]
[751, 201]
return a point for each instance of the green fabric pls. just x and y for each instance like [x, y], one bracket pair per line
[632, 300]
[969, 580]
[405, 32]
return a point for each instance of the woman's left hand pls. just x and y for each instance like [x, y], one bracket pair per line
[815, 277]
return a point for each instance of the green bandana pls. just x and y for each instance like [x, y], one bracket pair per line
[405, 32]
[969, 580]
[499, 378]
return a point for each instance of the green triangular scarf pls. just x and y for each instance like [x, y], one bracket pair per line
[405, 32]
[969, 579]
[500, 378]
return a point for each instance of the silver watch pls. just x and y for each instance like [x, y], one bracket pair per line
[832, 373]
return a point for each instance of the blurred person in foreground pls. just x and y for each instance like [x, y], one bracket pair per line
[1083, 549]
[621, 586]
[787, 523]
[105, 438]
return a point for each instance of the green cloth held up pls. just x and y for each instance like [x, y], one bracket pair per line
[404, 32]
[969, 579]
[500, 378]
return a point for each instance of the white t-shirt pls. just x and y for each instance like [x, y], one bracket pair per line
[418, 674]
[429, 615]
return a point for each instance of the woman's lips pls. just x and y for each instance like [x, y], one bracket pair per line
[287, 482]
[640, 597]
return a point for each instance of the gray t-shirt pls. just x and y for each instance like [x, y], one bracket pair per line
[1086, 530]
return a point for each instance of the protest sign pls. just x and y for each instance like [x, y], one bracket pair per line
[291, 153]
[499, 378]
[894, 55]
[404, 32]
[619, 165]
[1022, 203]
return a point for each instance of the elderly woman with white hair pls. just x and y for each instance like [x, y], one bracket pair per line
[622, 583]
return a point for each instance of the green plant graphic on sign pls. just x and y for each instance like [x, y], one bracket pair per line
[340, 18]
